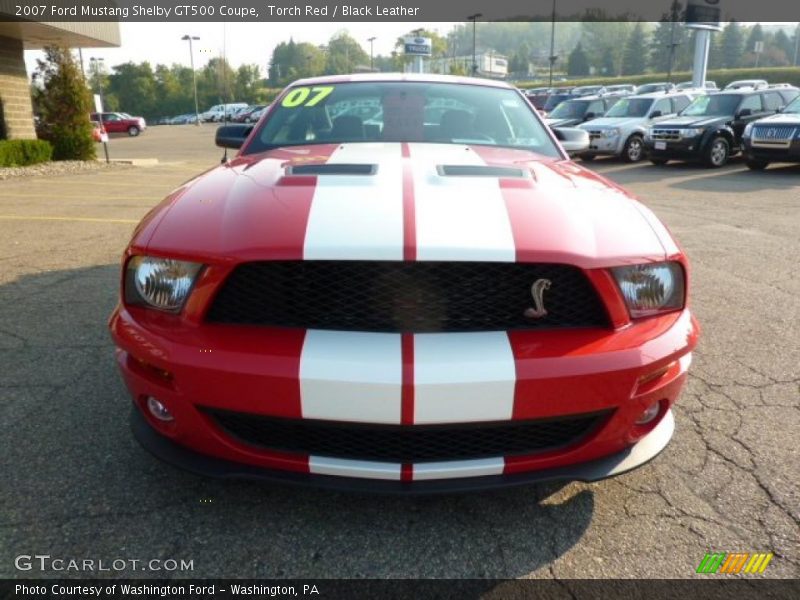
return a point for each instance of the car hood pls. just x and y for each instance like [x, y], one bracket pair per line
[408, 205]
[609, 122]
[678, 122]
[781, 119]
[562, 122]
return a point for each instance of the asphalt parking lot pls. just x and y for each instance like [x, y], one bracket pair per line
[76, 484]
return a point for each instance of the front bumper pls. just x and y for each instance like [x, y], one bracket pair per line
[458, 378]
[605, 146]
[789, 153]
[179, 456]
[683, 149]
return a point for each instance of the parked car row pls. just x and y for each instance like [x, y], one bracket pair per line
[237, 112]
[712, 128]
[664, 122]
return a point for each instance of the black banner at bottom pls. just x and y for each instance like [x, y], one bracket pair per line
[710, 588]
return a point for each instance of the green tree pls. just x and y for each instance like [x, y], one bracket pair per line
[64, 104]
[134, 86]
[345, 55]
[602, 41]
[782, 42]
[756, 34]
[669, 35]
[578, 62]
[634, 56]
[247, 83]
[716, 54]
[732, 45]
[215, 83]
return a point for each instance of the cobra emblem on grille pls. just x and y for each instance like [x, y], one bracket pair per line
[537, 291]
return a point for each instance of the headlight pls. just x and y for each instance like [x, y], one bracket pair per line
[610, 133]
[747, 129]
[692, 132]
[652, 288]
[161, 283]
[648, 133]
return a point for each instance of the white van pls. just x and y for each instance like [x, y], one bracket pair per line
[218, 112]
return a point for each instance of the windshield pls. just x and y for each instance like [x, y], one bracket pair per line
[555, 100]
[571, 109]
[401, 111]
[630, 107]
[793, 107]
[717, 104]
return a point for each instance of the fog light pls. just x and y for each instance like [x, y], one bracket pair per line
[649, 414]
[158, 410]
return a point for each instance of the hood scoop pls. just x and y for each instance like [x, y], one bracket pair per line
[479, 171]
[333, 169]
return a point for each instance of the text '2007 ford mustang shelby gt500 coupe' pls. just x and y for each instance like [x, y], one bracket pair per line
[402, 283]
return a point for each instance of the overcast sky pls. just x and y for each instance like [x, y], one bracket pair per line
[245, 42]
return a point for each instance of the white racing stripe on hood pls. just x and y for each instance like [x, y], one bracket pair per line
[358, 217]
[458, 218]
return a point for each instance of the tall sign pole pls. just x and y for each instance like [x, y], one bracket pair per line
[417, 47]
[702, 16]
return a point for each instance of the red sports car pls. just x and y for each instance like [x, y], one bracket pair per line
[402, 283]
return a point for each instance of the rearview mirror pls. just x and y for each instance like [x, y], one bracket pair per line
[745, 112]
[232, 136]
[573, 140]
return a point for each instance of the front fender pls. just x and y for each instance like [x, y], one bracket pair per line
[713, 132]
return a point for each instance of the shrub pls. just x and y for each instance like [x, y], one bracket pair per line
[64, 102]
[20, 153]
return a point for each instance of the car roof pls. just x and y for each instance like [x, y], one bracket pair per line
[398, 77]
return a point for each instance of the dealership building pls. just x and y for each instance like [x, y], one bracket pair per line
[16, 36]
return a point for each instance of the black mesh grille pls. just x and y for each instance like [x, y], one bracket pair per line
[405, 296]
[405, 443]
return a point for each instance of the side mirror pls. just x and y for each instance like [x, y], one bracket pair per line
[655, 113]
[745, 112]
[573, 140]
[589, 116]
[780, 109]
[232, 136]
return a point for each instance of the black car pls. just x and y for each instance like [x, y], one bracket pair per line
[554, 99]
[773, 139]
[710, 129]
[579, 110]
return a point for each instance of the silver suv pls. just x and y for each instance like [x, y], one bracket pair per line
[621, 131]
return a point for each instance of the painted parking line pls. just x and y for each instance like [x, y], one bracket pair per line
[75, 219]
[52, 196]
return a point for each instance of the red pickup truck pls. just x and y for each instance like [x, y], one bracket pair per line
[116, 122]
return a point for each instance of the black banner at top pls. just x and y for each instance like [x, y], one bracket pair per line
[384, 10]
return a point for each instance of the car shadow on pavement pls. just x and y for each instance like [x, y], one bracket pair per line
[733, 178]
[77, 485]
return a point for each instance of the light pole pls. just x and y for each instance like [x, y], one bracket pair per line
[96, 67]
[553, 57]
[371, 59]
[474, 18]
[190, 38]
